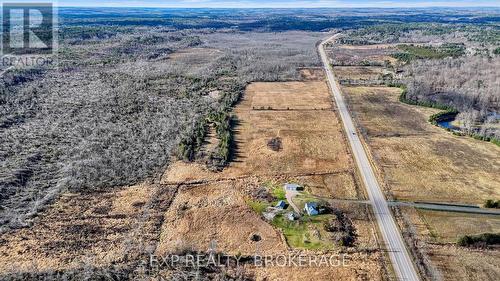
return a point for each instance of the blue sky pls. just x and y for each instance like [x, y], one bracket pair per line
[276, 3]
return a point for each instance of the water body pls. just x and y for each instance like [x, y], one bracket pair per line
[448, 124]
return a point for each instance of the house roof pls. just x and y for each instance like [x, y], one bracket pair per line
[281, 203]
[311, 205]
[292, 185]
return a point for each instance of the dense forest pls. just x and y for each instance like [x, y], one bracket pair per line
[468, 84]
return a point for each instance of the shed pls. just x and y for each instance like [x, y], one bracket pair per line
[281, 204]
[293, 187]
[292, 216]
[311, 208]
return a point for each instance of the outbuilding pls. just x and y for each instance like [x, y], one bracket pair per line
[292, 216]
[293, 187]
[281, 205]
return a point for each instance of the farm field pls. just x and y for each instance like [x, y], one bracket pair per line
[300, 114]
[447, 227]
[418, 161]
[193, 207]
[358, 72]
[438, 232]
[313, 153]
[352, 55]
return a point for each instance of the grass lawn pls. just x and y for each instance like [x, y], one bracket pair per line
[301, 233]
[279, 193]
[258, 206]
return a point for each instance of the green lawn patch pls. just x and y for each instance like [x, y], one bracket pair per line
[279, 193]
[300, 233]
[258, 206]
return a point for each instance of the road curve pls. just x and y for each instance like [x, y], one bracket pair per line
[401, 259]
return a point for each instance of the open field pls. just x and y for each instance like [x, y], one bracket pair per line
[421, 162]
[437, 233]
[313, 154]
[94, 228]
[446, 227]
[347, 55]
[288, 96]
[100, 229]
[312, 139]
[360, 266]
[218, 212]
[312, 74]
[358, 72]
[337, 186]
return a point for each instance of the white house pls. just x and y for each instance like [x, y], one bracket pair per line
[311, 208]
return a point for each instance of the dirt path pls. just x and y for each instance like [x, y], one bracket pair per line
[289, 194]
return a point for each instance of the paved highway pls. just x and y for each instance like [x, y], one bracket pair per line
[401, 259]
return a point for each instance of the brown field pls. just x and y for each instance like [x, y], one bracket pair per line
[359, 266]
[314, 154]
[356, 55]
[464, 264]
[195, 56]
[105, 228]
[447, 227]
[95, 228]
[313, 140]
[287, 95]
[218, 212]
[421, 162]
[438, 232]
[358, 72]
[312, 74]
[336, 186]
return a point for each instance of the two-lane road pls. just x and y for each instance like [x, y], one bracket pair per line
[401, 259]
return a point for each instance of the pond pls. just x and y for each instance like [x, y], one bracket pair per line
[448, 124]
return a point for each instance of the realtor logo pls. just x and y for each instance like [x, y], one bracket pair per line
[28, 28]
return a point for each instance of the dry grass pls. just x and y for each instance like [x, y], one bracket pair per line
[337, 186]
[356, 55]
[445, 227]
[217, 212]
[102, 228]
[359, 266]
[288, 95]
[312, 140]
[358, 72]
[421, 162]
[438, 231]
[312, 74]
[198, 59]
[464, 264]
[97, 228]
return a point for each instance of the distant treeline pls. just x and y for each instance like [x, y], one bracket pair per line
[266, 19]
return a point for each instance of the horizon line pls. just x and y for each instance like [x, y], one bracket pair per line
[280, 8]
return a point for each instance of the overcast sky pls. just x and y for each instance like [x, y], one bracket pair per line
[275, 3]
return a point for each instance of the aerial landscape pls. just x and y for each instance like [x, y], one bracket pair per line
[251, 140]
